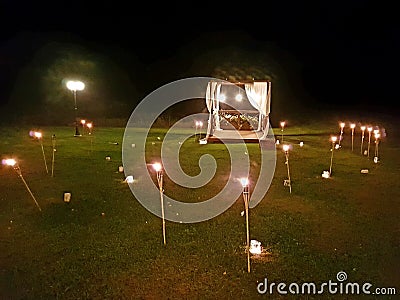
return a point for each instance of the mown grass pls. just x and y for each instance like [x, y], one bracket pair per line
[105, 245]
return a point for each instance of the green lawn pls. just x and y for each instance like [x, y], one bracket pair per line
[105, 245]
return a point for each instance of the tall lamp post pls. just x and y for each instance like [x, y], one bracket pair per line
[158, 168]
[75, 86]
[245, 185]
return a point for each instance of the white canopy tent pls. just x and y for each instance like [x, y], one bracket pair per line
[244, 105]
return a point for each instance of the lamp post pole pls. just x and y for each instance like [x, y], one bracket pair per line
[75, 86]
[76, 115]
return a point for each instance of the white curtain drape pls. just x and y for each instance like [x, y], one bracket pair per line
[258, 95]
[208, 97]
[212, 94]
[217, 92]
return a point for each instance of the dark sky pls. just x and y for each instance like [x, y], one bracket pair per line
[348, 50]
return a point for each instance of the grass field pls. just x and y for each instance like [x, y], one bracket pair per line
[104, 244]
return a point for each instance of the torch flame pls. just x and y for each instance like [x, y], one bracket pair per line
[244, 181]
[9, 162]
[157, 167]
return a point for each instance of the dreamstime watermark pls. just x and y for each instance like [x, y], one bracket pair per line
[331, 287]
[134, 156]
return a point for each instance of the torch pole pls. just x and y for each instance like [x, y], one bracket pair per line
[53, 138]
[246, 206]
[44, 156]
[160, 184]
[18, 170]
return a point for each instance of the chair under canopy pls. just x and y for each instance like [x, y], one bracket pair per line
[240, 107]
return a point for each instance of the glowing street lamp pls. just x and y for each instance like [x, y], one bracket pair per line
[158, 168]
[13, 163]
[286, 150]
[38, 135]
[362, 137]
[333, 140]
[53, 140]
[75, 86]
[342, 124]
[352, 126]
[369, 138]
[282, 126]
[245, 185]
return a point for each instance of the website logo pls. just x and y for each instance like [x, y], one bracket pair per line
[333, 287]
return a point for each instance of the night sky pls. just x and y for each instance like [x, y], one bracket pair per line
[346, 52]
